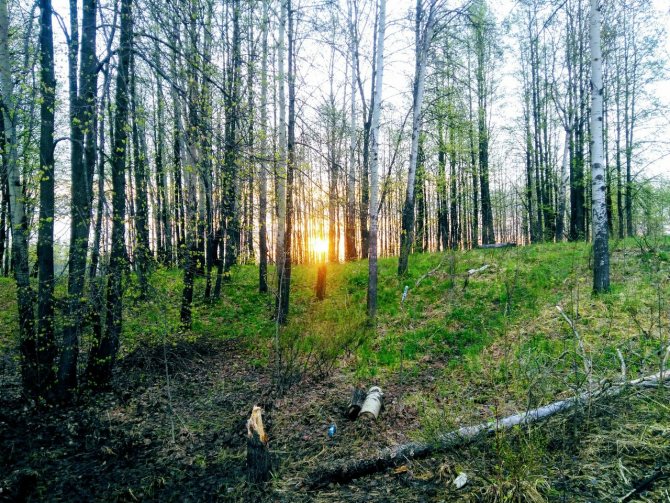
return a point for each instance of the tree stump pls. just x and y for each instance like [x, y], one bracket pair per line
[373, 403]
[357, 399]
[259, 461]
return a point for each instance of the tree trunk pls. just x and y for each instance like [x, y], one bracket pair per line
[423, 36]
[104, 350]
[284, 269]
[374, 151]
[142, 252]
[601, 269]
[45, 344]
[191, 170]
[280, 174]
[265, 153]
[488, 236]
[350, 219]
[560, 218]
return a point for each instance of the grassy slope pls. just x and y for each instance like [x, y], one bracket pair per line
[452, 354]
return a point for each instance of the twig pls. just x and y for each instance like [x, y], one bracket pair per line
[646, 483]
[431, 272]
[623, 364]
[588, 365]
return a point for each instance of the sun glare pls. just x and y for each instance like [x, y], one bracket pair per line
[319, 246]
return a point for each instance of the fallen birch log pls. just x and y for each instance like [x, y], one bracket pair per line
[344, 471]
[473, 272]
[373, 403]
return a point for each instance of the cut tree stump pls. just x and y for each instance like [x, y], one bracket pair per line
[346, 470]
[373, 403]
[259, 461]
[357, 399]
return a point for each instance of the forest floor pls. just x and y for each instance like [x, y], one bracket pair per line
[454, 353]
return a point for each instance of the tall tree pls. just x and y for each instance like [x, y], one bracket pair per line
[423, 34]
[284, 275]
[45, 346]
[601, 264]
[265, 153]
[481, 50]
[374, 162]
[82, 165]
[105, 348]
[350, 211]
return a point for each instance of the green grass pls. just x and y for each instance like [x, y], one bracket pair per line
[503, 320]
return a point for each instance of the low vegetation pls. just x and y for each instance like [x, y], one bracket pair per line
[456, 351]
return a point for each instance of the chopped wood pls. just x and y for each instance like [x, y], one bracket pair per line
[259, 461]
[346, 470]
[357, 398]
[373, 403]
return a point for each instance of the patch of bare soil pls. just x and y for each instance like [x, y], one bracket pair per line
[173, 429]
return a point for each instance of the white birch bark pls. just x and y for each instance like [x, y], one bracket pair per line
[350, 230]
[280, 176]
[374, 164]
[565, 180]
[599, 207]
[423, 38]
[17, 214]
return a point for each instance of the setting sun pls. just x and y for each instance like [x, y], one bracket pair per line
[319, 246]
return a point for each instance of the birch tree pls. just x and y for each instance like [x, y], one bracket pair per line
[374, 163]
[601, 265]
[424, 25]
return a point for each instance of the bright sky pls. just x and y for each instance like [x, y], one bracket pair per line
[399, 67]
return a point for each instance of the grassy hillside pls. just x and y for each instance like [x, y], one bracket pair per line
[457, 351]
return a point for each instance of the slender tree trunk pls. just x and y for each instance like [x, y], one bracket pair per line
[442, 209]
[265, 153]
[601, 278]
[280, 174]
[350, 219]
[374, 151]
[104, 350]
[231, 189]
[453, 192]
[45, 344]
[83, 158]
[142, 251]
[284, 276]
[560, 218]
[423, 36]
[488, 236]
[191, 170]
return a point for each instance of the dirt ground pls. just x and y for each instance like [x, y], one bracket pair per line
[173, 429]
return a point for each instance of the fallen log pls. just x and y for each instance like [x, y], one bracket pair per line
[357, 398]
[473, 272]
[346, 470]
[259, 461]
[373, 403]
